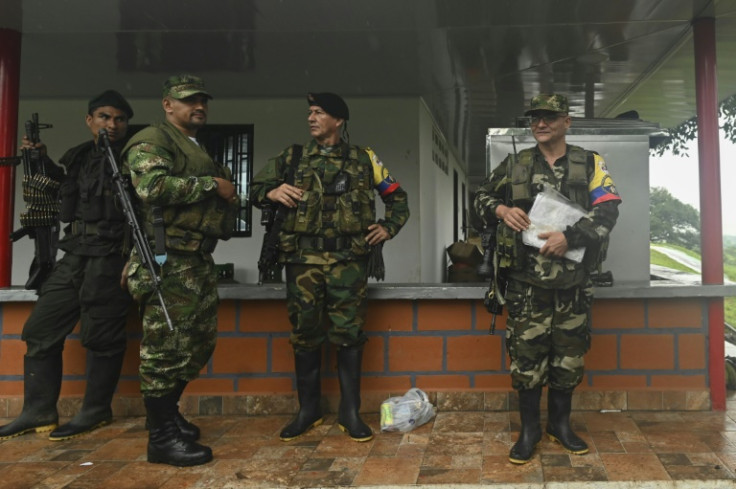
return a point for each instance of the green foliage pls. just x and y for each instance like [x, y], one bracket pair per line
[658, 258]
[672, 221]
[678, 137]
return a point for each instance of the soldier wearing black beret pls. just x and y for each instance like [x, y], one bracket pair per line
[83, 286]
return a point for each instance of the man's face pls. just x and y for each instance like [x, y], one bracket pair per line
[189, 113]
[112, 119]
[549, 127]
[322, 126]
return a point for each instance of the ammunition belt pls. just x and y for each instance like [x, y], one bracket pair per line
[320, 243]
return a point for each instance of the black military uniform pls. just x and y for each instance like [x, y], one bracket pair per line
[83, 287]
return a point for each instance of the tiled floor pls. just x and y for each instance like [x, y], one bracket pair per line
[458, 449]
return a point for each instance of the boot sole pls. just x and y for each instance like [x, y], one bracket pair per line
[202, 461]
[37, 429]
[355, 438]
[76, 435]
[313, 425]
[568, 450]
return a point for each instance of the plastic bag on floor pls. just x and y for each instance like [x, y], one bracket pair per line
[404, 413]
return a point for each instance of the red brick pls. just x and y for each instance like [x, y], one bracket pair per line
[497, 381]
[128, 387]
[373, 357]
[73, 388]
[679, 313]
[132, 360]
[444, 315]
[264, 315]
[227, 316]
[11, 356]
[483, 319]
[11, 388]
[389, 315]
[691, 351]
[14, 316]
[282, 355]
[603, 353]
[654, 352]
[678, 381]
[240, 355]
[618, 381]
[389, 384]
[444, 382]
[74, 358]
[210, 386]
[474, 353]
[415, 354]
[618, 314]
[264, 385]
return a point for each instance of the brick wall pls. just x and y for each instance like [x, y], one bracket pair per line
[646, 354]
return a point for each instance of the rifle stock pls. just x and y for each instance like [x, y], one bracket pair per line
[139, 236]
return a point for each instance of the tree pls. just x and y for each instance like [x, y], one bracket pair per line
[672, 221]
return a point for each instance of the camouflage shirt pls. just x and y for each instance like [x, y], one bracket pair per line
[590, 231]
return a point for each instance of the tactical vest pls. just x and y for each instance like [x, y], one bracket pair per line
[331, 213]
[520, 259]
[88, 201]
[195, 226]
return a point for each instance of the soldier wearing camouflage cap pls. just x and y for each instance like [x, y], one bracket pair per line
[548, 295]
[83, 286]
[327, 188]
[178, 183]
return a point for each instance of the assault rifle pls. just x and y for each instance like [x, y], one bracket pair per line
[272, 218]
[139, 236]
[40, 221]
[494, 297]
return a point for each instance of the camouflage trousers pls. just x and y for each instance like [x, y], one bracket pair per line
[326, 302]
[547, 334]
[189, 289]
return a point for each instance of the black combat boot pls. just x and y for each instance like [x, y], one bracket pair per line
[531, 429]
[41, 387]
[166, 445]
[103, 373]
[558, 422]
[309, 390]
[189, 431]
[349, 361]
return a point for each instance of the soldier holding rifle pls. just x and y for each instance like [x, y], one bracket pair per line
[83, 286]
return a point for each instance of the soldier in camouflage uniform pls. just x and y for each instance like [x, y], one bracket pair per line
[548, 297]
[325, 241]
[83, 286]
[175, 179]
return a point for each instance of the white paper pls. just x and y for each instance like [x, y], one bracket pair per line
[552, 211]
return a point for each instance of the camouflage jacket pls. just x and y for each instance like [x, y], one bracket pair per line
[592, 231]
[326, 211]
[172, 172]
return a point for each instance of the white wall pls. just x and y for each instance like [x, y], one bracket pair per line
[388, 125]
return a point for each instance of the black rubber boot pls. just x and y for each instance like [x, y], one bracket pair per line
[531, 429]
[558, 422]
[41, 387]
[189, 430]
[349, 361]
[103, 373]
[166, 445]
[309, 390]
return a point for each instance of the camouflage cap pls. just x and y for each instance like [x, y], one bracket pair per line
[552, 102]
[183, 86]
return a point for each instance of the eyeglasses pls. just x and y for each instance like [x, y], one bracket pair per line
[548, 117]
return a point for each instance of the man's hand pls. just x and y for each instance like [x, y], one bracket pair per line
[26, 144]
[555, 244]
[513, 217]
[285, 194]
[226, 190]
[376, 234]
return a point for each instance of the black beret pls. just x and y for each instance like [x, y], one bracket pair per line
[110, 98]
[331, 103]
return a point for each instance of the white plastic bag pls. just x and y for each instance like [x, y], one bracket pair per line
[406, 412]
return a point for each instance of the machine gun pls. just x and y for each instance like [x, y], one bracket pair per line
[40, 221]
[272, 217]
[139, 236]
